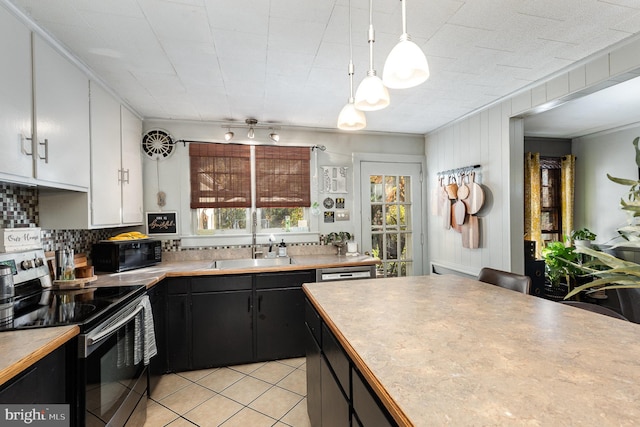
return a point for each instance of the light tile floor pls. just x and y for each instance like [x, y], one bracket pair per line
[255, 395]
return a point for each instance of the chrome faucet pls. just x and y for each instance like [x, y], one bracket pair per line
[255, 253]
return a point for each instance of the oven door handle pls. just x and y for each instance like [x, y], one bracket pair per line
[111, 329]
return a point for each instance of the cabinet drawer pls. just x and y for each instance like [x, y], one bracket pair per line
[284, 280]
[368, 407]
[312, 319]
[336, 358]
[221, 283]
[177, 286]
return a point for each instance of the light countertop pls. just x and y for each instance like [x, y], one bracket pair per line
[154, 274]
[448, 350]
[22, 348]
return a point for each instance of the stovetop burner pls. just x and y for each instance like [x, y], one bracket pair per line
[84, 306]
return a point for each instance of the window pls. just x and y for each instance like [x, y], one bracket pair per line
[221, 187]
[220, 176]
[282, 177]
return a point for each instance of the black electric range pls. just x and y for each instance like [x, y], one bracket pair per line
[39, 303]
[85, 307]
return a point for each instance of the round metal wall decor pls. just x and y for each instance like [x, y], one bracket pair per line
[158, 144]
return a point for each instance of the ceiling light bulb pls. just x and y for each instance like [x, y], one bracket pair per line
[228, 136]
[274, 137]
[251, 133]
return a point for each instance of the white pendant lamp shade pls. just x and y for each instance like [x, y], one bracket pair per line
[406, 66]
[371, 95]
[350, 118]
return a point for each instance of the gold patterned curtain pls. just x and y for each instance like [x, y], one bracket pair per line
[532, 211]
[567, 180]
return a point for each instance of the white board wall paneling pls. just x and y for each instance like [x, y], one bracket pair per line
[558, 87]
[625, 58]
[521, 102]
[597, 70]
[577, 78]
[538, 95]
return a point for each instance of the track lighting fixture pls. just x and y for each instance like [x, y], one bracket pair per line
[253, 127]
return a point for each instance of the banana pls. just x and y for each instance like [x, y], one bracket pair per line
[130, 235]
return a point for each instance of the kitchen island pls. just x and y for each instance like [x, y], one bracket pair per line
[439, 350]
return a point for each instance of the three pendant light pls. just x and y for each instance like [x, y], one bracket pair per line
[405, 67]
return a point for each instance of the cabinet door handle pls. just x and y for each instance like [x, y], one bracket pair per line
[120, 176]
[24, 150]
[260, 303]
[125, 172]
[46, 150]
[249, 304]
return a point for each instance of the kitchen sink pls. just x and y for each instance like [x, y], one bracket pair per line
[249, 262]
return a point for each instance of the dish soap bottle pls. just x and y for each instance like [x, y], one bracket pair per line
[282, 249]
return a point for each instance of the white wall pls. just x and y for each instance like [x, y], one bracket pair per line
[172, 175]
[494, 139]
[598, 198]
[482, 139]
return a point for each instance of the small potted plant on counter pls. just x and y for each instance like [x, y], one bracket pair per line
[339, 240]
[583, 237]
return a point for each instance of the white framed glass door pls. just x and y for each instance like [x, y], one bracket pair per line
[391, 203]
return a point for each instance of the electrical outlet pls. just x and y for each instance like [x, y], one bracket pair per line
[342, 215]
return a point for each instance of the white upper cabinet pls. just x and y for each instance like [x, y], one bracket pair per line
[106, 176]
[132, 200]
[116, 164]
[115, 196]
[16, 162]
[61, 111]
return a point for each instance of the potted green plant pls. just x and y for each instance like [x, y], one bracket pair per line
[560, 270]
[608, 272]
[339, 239]
[583, 237]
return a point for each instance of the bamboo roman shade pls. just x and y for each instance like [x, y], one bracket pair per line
[282, 177]
[220, 175]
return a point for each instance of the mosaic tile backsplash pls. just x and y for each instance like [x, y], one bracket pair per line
[20, 209]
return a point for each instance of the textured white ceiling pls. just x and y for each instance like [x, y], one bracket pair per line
[285, 61]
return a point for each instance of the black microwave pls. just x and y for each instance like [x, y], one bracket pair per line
[122, 255]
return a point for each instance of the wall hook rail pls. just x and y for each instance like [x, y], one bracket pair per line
[459, 171]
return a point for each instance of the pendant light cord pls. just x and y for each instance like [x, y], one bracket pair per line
[351, 67]
[372, 39]
[404, 17]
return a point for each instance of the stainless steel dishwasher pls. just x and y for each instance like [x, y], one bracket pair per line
[346, 273]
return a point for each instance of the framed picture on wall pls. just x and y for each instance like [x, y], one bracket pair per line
[162, 223]
[334, 179]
